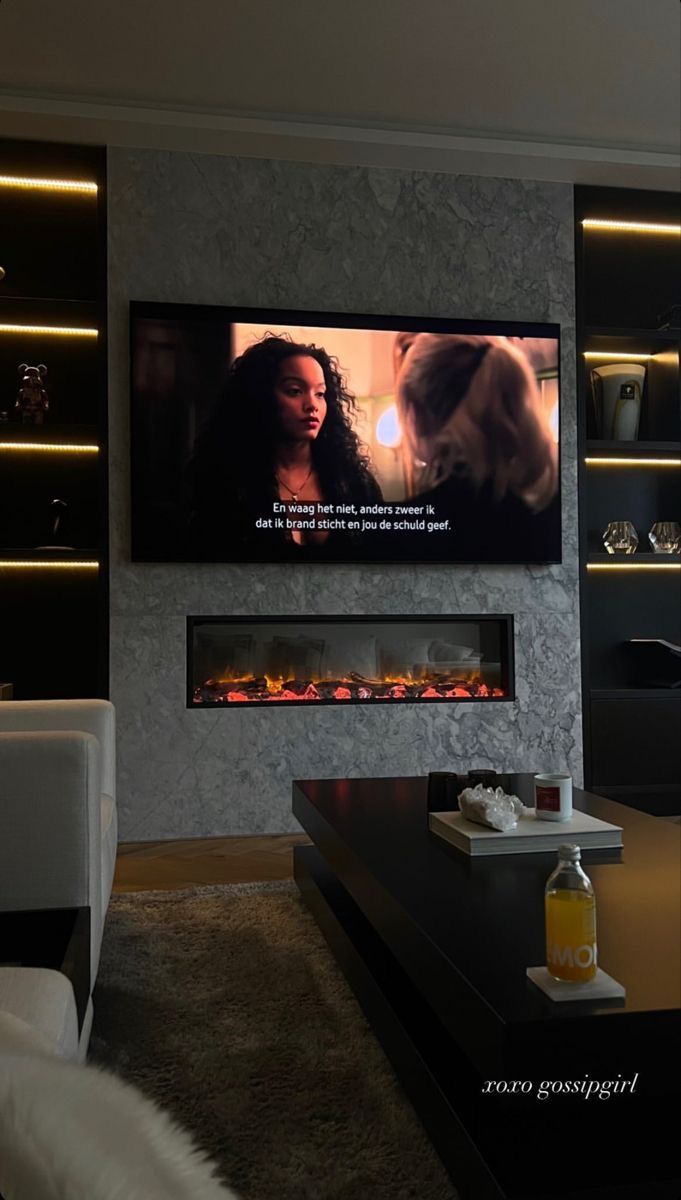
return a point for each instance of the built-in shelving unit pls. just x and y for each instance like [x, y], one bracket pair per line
[628, 259]
[53, 574]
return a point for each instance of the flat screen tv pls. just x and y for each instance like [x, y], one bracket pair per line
[277, 436]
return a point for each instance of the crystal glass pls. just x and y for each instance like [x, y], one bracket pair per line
[620, 537]
[665, 537]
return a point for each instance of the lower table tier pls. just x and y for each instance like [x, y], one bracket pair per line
[495, 1146]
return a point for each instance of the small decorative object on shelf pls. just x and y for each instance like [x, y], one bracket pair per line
[670, 319]
[32, 400]
[59, 510]
[657, 662]
[665, 537]
[487, 777]
[620, 537]
[616, 392]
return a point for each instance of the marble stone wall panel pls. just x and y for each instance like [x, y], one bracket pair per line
[215, 230]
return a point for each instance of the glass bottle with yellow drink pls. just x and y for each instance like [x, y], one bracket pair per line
[570, 907]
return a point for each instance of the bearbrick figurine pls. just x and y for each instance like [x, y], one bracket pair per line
[32, 399]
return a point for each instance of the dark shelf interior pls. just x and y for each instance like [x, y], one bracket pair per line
[54, 255]
[54, 435]
[61, 231]
[639, 449]
[630, 341]
[48, 553]
[625, 282]
[633, 277]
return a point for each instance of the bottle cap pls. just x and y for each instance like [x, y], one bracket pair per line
[569, 852]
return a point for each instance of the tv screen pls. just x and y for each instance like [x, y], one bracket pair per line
[277, 436]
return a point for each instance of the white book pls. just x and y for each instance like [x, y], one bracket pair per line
[529, 836]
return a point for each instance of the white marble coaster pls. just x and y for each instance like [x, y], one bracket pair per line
[602, 987]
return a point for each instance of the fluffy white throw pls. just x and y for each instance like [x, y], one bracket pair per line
[70, 1132]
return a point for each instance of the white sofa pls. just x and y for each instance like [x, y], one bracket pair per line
[58, 836]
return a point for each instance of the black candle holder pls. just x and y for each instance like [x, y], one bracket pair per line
[443, 791]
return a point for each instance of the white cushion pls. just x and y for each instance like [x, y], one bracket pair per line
[97, 717]
[44, 1001]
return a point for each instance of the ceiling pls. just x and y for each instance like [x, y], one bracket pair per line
[579, 89]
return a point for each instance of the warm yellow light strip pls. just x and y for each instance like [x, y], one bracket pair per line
[633, 462]
[632, 566]
[631, 226]
[51, 447]
[61, 330]
[619, 355]
[50, 564]
[81, 186]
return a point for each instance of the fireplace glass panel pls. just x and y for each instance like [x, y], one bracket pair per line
[341, 660]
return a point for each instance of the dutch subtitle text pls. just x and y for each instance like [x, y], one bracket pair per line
[356, 518]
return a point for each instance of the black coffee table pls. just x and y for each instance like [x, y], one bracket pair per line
[435, 945]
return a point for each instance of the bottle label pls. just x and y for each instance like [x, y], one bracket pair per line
[548, 799]
[571, 935]
[572, 956]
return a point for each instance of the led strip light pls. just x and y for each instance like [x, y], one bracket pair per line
[81, 187]
[630, 226]
[51, 447]
[632, 462]
[631, 566]
[49, 564]
[61, 330]
[624, 356]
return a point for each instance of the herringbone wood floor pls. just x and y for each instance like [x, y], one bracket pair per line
[153, 866]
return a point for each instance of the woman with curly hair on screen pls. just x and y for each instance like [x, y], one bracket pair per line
[283, 437]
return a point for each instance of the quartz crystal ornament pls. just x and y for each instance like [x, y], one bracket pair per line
[665, 537]
[620, 537]
[492, 807]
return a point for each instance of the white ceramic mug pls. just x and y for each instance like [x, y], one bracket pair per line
[553, 797]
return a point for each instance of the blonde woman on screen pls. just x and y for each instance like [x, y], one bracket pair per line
[470, 408]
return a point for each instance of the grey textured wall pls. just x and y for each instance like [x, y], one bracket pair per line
[215, 230]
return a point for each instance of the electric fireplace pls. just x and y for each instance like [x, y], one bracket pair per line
[240, 661]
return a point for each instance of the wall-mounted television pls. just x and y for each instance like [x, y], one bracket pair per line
[263, 435]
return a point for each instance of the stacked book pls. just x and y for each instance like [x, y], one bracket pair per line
[529, 836]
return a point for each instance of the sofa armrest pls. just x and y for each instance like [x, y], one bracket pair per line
[97, 717]
[50, 821]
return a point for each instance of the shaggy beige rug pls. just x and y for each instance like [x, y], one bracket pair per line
[225, 1005]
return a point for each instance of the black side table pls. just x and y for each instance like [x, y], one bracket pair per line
[56, 938]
